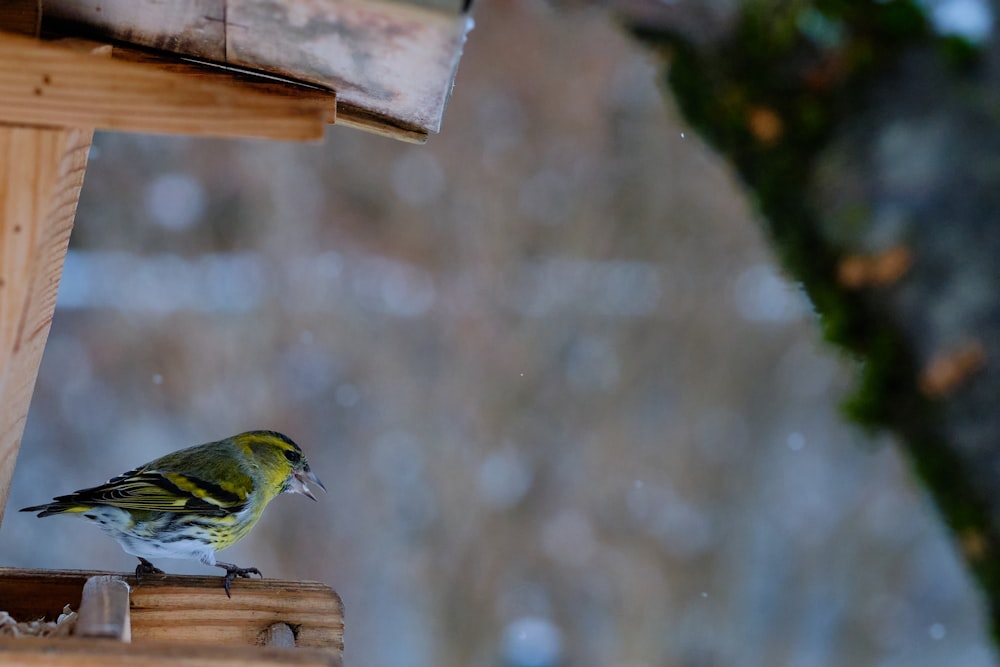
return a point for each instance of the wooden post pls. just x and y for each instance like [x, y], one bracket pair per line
[104, 609]
[41, 172]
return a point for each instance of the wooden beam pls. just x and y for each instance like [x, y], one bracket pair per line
[74, 652]
[43, 84]
[41, 172]
[186, 609]
[208, 72]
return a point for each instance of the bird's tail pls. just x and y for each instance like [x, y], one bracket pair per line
[56, 507]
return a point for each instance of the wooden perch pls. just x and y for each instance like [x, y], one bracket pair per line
[196, 609]
[193, 610]
[391, 64]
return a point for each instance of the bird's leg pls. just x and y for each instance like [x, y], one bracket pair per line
[145, 567]
[233, 571]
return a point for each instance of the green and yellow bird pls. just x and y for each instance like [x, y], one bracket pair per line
[193, 502]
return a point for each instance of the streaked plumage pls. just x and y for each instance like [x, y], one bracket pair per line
[193, 502]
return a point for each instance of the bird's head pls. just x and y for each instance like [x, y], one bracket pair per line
[282, 461]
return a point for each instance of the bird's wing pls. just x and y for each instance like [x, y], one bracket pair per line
[161, 491]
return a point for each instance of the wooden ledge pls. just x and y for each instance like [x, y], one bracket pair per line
[73, 652]
[190, 610]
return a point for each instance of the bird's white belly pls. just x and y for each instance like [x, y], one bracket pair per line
[186, 549]
[154, 538]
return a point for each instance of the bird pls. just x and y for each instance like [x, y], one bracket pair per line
[194, 501]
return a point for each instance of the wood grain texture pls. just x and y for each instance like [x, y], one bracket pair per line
[212, 72]
[72, 652]
[192, 609]
[41, 173]
[45, 84]
[196, 609]
[392, 64]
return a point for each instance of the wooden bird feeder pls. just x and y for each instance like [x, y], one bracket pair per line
[271, 69]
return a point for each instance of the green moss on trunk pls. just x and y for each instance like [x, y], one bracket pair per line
[770, 99]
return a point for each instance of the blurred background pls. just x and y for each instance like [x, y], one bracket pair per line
[568, 410]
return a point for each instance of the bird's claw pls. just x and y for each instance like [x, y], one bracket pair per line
[232, 572]
[145, 568]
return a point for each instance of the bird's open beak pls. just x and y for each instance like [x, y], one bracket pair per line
[298, 483]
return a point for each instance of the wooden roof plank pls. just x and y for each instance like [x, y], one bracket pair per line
[193, 27]
[392, 64]
[390, 59]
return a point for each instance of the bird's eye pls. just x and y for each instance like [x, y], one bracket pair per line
[292, 456]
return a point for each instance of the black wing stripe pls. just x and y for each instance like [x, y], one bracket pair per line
[193, 501]
[118, 489]
[215, 491]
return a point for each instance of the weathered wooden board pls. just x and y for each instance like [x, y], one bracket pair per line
[392, 64]
[192, 27]
[44, 84]
[187, 609]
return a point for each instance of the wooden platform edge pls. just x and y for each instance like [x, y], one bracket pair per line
[78, 652]
[190, 608]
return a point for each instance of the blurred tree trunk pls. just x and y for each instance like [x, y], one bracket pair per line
[870, 140]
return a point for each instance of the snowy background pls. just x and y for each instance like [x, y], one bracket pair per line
[568, 410]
